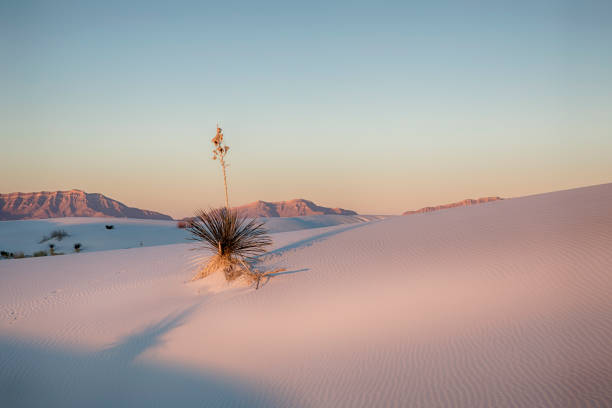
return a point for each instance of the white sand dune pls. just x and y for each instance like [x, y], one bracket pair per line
[25, 235]
[504, 304]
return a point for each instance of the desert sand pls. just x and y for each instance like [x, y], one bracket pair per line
[25, 235]
[504, 304]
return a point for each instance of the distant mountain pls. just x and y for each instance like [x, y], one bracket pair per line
[73, 203]
[292, 208]
[463, 203]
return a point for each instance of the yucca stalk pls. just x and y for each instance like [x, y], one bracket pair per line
[219, 152]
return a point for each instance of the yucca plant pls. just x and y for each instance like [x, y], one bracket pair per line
[234, 239]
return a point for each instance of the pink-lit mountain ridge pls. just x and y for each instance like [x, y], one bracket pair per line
[292, 208]
[73, 203]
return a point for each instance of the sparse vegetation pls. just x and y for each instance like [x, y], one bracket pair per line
[110, 227]
[77, 247]
[58, 234]
[233, 239]
[36, 254]
[21, 255]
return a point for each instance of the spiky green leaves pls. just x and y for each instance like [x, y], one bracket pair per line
[229, 235]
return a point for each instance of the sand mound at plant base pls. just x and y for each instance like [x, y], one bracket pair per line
[504, 304]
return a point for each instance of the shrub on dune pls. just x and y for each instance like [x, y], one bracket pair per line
[52, 251]
[233, 240]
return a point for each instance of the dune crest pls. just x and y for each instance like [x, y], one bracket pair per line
[462, 203]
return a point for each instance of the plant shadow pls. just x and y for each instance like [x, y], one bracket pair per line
[269, 256]
[36, 374]
[272, 275]
[289, 272]
[308, 241]
[133, 345]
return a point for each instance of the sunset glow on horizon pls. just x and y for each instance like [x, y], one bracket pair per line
[373, 108]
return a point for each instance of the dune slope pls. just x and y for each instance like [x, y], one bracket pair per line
[505, 304]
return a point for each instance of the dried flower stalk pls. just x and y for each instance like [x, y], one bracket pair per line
[219, 152]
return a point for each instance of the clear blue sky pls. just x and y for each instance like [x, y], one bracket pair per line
[378, 107]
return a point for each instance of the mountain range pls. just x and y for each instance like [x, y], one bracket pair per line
[292, 208]
[73, 203]
[77, 203]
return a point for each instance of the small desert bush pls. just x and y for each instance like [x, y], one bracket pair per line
[110, 227]
[232, 238]
[77, 247]
[40, 253]
[18, 255]
[4, 254]
[57, 234]
[52, 250]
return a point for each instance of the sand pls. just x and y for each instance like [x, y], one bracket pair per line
[504, 304]
[25, 235]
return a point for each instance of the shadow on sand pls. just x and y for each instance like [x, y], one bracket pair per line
[310, 240]
[132, 346]
[267, 278]
[33, 375]
[270, 256]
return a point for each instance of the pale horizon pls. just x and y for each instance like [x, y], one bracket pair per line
[377, 109]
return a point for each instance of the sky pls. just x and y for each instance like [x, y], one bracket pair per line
[379, 107]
